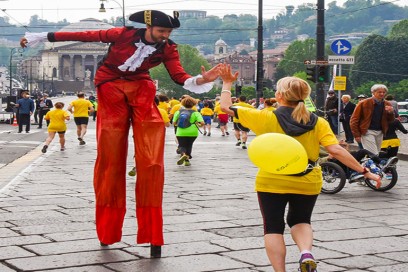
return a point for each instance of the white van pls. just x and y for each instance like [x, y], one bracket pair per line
[403, 111]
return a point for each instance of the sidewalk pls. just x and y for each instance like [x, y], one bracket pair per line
[211, 216]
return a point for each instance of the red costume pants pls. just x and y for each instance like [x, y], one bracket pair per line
[122, 103]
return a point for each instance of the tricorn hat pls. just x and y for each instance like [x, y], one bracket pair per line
[156, 18]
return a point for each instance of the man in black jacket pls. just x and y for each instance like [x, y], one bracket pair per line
[45, 106]
[331, 108]
[346, 110]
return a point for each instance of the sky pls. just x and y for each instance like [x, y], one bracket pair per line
[20, 11]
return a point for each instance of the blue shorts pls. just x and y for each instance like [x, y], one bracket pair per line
[207, 119]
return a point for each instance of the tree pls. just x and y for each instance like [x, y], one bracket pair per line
[190, 59]
[399, 90]
[399, 30]
[297, 52]
[370, 59]
[380, 59]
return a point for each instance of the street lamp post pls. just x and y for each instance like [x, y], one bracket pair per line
[12, 51]
[122, 6]
[259, 66]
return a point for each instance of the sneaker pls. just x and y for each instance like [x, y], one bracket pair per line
[391, 162]
[209, 134]
[307, 263]
[223, 135]
[79, 139]
[82, 142]
[132, 172]
[227, 133]
[205, 133]
[178, 151]
[44, 149]
[187, 163]
[356, 176]
[182, 159]
[244, 146]
[238, 143]
[62, 148]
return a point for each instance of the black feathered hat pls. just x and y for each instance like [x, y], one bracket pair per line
[156, 18]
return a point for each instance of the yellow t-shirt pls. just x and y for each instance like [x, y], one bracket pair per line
[81, 107]
[173, 102]
[177, 107]
[261, 122]
[164, 115]
[218, 110]
[206, 112]
[57, 119]
[269, 109]
[164, 105]
[241, 104]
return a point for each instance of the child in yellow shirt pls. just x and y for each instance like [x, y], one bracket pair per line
[207, 114]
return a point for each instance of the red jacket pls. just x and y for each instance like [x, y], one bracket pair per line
[123, 46]
[361, 118]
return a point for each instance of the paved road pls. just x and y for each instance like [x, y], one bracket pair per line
[211, 216]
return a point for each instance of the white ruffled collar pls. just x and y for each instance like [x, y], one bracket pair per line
[136, 60]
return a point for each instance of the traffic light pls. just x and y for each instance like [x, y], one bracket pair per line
[323, 74]
[311, 73]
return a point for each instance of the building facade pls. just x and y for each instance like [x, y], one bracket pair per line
[62, 66]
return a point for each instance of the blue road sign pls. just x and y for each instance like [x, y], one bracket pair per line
[341, 47]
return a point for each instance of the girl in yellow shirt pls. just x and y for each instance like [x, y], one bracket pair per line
[300, 191]
[57, 124]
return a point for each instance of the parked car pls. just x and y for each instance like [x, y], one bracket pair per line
[403, 111]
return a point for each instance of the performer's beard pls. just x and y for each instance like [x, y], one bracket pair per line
[157, 39]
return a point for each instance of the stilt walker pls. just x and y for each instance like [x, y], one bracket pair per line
[126, 92]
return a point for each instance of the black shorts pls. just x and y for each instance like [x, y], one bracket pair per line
[273, 210]
[238, 126]
[81, 120]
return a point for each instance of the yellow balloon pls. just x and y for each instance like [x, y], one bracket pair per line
[278, 154]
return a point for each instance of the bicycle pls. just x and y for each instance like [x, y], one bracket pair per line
[335, 176]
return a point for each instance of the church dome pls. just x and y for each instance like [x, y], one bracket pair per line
[86, 24]
[220, 42]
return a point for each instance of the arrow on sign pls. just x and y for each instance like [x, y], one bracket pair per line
[340, 47]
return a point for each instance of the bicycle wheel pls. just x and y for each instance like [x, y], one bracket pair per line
[388, 180]
[334, 178]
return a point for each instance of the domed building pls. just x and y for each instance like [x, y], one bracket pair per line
[67, 66]
[220, 49]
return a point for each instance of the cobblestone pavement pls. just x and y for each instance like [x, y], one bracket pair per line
[211, 216]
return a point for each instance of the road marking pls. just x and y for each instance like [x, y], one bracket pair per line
[17, 168]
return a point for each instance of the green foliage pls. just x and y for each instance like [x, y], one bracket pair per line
[190, 59]
[399, 90]
[399, 30]
[380, 59]
[365, 88]
[297, 52]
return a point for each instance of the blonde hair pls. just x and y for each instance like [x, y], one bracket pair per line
[294, 91]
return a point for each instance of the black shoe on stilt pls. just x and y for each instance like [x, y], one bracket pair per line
[155, 251]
